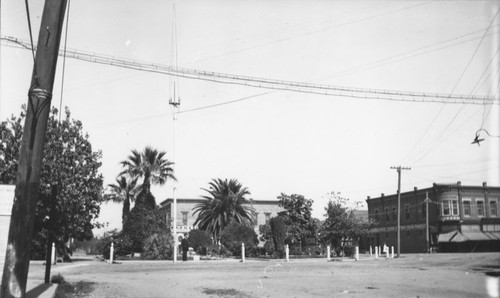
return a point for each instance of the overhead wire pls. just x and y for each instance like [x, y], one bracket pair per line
[429, 148]
[275, 84]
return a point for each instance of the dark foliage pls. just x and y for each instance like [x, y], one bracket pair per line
[235, 234]
[158, 247]
[143, 223]
[200, 241]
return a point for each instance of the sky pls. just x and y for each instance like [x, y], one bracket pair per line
[277, 142]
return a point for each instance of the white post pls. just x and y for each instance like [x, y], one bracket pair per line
[370, 251]
[287, 253]
[392, 252]
[387, 253]
[243, 252]
[328, 253]
[53, 254]
[111, 252]
[356, 254]
[376, 252]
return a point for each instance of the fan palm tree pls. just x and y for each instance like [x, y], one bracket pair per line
[224, 203]
[151, 165]
[123, 191]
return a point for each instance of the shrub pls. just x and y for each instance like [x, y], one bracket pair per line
[158, 247]
[269, 248]
[235, 234]
[142, 223]
[199, 240]
[122, 245]
[349, 250]
[278, 231]
[57, 279]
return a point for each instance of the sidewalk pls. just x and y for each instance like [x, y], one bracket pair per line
[38, 289]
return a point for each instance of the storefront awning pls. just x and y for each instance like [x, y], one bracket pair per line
[456, 236]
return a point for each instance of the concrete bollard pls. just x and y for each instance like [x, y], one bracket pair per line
[243, 252]
[370, 251]
[356, 253]
[287, 253]
[376, 252]
[111, 252]
[387, 253]
[392, 252]
[53, 254]
[328, 253]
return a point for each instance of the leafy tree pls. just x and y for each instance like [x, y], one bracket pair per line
[70, 185]
[235, 234]
[123, 191]
[200, 240]
[297, 218]
[225, 203]
[151, 165]
[265, 232]
[342, 226]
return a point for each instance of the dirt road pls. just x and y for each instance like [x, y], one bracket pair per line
[435, 275]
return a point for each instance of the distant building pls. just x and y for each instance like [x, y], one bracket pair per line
[461, 218]
[265, 209]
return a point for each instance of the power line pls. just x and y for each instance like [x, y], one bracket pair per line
[274, 84]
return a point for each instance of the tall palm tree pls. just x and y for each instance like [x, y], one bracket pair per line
[153, 166]
[224, 203]
[123, 191]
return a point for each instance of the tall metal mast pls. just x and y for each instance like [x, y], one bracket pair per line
[175, 102]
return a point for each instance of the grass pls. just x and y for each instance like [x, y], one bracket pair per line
[74, 290]
[225, 293]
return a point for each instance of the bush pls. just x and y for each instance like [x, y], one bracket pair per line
[199, 240]
[122, 245]
[158, 247]
[269, 248]
[235, 234]
[349, 250]
[142, 223]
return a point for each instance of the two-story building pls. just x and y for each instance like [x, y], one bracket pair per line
[264, 209]
[460, 218]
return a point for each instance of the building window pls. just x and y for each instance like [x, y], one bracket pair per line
[407, 212]
[407, 233]
[480, 207]
[387, 214]
[394, 214]
[420, 232]
[424, 210]
[268, 217]
[376, 214]
[467, 208]
[449, 207]
[256, 221]
[493, 208]
[184, 218]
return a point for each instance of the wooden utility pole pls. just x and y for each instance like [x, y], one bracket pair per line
[15, 271]
[399, 168]
[427, 220]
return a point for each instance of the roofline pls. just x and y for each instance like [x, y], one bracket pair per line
[438, 185]
[199, 200]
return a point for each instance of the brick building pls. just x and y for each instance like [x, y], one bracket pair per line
[265, 209]
[461, 218]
